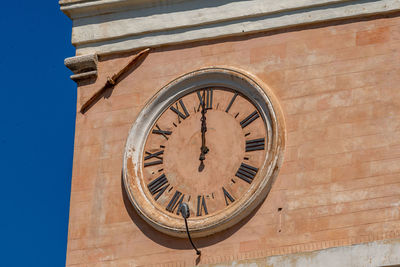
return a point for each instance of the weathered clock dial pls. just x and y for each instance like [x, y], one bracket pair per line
[213, 139]
[235, 139]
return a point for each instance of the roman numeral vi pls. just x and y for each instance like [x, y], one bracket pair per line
[201, 205]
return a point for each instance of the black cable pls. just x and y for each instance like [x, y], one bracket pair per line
[190, 239]
[184, 208]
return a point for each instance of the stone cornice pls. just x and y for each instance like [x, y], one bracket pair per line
[86, 8]
[108, 26]
[183, 16]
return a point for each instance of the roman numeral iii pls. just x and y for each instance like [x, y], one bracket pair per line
[249, 119]
[156, 155]
[201, 205]
[255, 144]
[158, 185]
[246, 172]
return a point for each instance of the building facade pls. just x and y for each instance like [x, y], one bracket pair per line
[332, 71]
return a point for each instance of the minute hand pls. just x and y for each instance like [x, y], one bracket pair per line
[204, 148]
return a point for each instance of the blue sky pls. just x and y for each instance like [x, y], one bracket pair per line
[37, 133]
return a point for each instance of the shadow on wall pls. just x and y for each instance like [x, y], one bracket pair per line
[175, 242]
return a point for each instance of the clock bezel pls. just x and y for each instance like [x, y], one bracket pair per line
[265, 102]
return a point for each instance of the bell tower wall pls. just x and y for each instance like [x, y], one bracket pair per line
[336, 76]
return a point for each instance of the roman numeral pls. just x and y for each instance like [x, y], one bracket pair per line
[230, 103]
[207, 96]
[255, 144]
[161, 132]
[201, 205]
[227, 196]
[175, 202]
[153, 155]
[158, 185]
[249, 119]
[246, 172]
[180, 114]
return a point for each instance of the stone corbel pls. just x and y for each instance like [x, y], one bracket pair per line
[83, 67]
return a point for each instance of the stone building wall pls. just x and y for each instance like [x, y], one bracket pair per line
[338, 85]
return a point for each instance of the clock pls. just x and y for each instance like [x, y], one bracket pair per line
[213, 139]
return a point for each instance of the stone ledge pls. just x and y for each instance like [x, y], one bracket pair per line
[84, 76]
[83, 67]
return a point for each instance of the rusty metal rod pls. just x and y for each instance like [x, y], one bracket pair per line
[111, 82]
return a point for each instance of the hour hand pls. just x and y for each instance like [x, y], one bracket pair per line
[204, 151]
[201, 167]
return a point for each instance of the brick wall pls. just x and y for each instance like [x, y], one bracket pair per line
[339, 88]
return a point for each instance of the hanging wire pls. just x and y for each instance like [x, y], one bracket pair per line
[185, 214]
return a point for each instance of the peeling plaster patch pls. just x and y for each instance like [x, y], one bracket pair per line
[396, 204]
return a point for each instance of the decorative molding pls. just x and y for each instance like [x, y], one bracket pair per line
[377, 253]
[385, 243]
[108, 26]
[83, 67]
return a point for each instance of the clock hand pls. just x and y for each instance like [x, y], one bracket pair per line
[204, 149]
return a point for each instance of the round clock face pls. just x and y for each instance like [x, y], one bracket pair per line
[211, 145]
[209, 169]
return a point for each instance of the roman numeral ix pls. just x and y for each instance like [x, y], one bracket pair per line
[158, 185]
[246, 172]
[156, 155]
[255, 144]
[249, 119]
